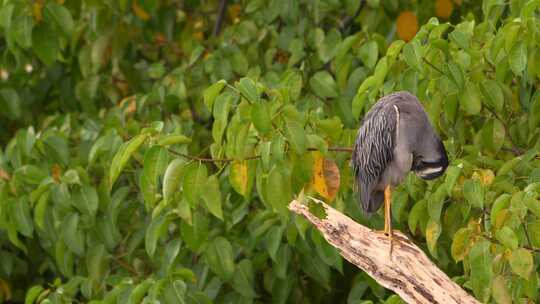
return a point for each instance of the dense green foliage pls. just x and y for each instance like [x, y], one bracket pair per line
[145, 159]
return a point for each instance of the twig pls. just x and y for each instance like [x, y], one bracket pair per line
[221, 14]
[432, 65]
[226, 160]
[126, 266]
[349, 19]
[526, 234]
[493, 240]
[514, 149]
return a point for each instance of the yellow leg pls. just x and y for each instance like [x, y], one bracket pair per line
[388, 215]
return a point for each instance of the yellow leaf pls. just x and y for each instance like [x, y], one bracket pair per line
[325, 177]
[485, 176]
[407, 25]
[239, 177]
[433, 231]
[139, 11]
[4, 175]
[234, 12]
[501, 218]
[500, 291]
[6, 290]
[461, 244]
[444, 8]
[37, 11]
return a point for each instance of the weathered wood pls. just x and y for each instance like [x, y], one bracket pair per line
[408, 272]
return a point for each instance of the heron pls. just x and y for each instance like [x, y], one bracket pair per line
[395, 138]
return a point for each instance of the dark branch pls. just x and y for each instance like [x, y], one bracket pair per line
[220, 16]
[432, 65]
[493, 240]
[347, 22]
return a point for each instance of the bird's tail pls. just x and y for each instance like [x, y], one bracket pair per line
[371, 202]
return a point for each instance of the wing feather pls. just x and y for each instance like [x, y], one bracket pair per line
[373, 150]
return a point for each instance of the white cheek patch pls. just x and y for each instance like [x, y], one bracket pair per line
[429, 171]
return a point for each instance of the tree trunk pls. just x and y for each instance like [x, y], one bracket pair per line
[408, 272]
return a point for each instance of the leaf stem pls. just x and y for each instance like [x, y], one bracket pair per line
[432, 65]
[536, 250]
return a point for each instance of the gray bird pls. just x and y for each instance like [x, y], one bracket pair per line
[395, 138]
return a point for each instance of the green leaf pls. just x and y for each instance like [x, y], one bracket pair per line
[156, 70]
[174, 139]
[11, 103]
[122, 156]
[248, 89]
[480, 263]
[155, 160]
[244, 279]
[32, 294]
[19, 212]
[194, 181]
[61, 16]
[474, 193]
[221, 112]
[156, 229]
[278, 190]
[6, 14]
[86, 200]
[368, 53]
[219, 257]
[260, 116]
[30, 174]
[412, 55]
[359, 103]
[507, 237]
[394, 49]
[40, 210]
[173, 178]
[296, 136]
[316, 269]
[212, 197]
[493, 94]
[72, 234]
[139, 291]
[500, 291]
[210, 93]
[56, 147]
[171, 252]
[324, 85]
[518, 57]
[21, 30]
[45, 44]
[96, 262]
[273, 240]
[521, 262]
[456, 74]
[452, 175]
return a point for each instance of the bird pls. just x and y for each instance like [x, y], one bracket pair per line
[395, 137]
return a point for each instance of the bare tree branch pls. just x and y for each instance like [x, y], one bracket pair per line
[408, 272]
[220, 16]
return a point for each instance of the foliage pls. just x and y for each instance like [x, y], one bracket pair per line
[106, 104]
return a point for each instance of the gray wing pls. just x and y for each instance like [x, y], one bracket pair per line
[373, 150]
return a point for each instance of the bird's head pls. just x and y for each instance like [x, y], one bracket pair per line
[430, 159]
